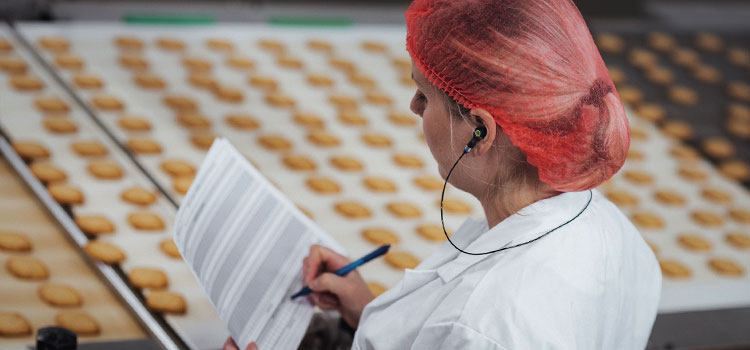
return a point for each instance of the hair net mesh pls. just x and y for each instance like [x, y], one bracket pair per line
[533, 65]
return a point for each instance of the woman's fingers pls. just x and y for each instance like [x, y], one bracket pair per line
[319, 256]
[325, 301]
[252, 346]
[230, 344]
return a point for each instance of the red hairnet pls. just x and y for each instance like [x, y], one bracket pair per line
[533, 65]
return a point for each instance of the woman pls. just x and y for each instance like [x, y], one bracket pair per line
[581, 276]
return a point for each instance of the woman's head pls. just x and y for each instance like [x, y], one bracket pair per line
[531, 66]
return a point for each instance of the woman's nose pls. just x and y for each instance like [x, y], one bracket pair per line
[414, 106]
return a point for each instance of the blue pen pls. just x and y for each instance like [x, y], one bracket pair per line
[348, 268]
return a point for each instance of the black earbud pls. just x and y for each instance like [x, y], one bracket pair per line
[479, 133]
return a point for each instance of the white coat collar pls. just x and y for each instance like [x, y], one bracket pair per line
[526, 224]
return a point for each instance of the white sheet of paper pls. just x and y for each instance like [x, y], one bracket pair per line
[245, 241]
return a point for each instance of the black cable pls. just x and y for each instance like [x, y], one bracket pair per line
[442, 196]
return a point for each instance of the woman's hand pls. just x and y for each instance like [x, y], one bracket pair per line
[231, 345]
[348, 294]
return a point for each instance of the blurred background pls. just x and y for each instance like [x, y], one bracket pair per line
[103, 98]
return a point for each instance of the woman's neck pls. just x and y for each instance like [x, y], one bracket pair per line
[497, 209]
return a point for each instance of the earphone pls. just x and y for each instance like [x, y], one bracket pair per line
[479, 134]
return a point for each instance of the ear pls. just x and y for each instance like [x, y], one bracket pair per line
[481, 117]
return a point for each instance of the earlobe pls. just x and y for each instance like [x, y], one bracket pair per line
[482, 118]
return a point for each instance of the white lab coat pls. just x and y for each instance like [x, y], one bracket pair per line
[592, 284]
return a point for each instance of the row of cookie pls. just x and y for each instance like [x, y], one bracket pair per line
[675, 269]
[699, 243]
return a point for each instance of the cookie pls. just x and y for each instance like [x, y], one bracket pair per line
[630, 95]
[308, 120]
[60, 125]
[202, 140]
[362, 80]
[432, 232]
[668, 197]
[180, 103]
[404, 210]
[239, 62]
[739, 57]
[170, 44]
[683, 95]
[635, 155]
[376, 139]
[402, 119]
[343, 101]
[289, 62]
[274, 142]
[228, 94]
[128, 42]
[686, 57]
[740, 215]
[105, 252]
[170, 248]
[107, 103]
[660, 75]
[197, 64]
[94, 224]
[378, 98]
[319, 80]
[181, 184]
[706, 218]
[374, 46]
[738, 127]
[379, 184]
[638, 134]
[428, 183]
[78, 321]
[376, 288]
[608, 42]
[13, 324]
[176, 167]
[202, 81]
[677, 129]
[661, 41]
[708, 42]
[684, 152]
[138, 196]
[407, 160]
[146, 277]
[69, 61]
[455, 206]
[133, 123]
[654, 247]
[299, 163]
[323, 138]
[27, 267]
[616, 74]
[717, 147]
[217, 44]
[271, 45]
[346, 163]
[53, 43]
[13, 65]
[242, 121]
[143, 145]
[280, 100]
[104, 169]
[642, 58]
[323, 185]
[319, 45]
[738, 239]
[674, 269]
[352, 210]
[647, 220]
[193, 120]
[651, 111]
[726, 267]
[26, 83]
[694, 242]
[735, 169]
[30, 149]
[51, 104]
[380, 236]
[149, 81]
[738, 111]
[87, 81]
[146, 221]
[14, 242]
[716, 195]
[134, 62]
[342, 64]
[65, 194]
[707, 74]
[5, 45]
[352, 118]
[401, 260]
[692, 174]
[264, 82]
[166, 302]
[59, 295]
[89, 148]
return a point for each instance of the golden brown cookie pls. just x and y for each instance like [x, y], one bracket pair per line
[107, 103]
[299, 162]
[170, 248]
[403, 119]
[401, 260]
[692, 174]
[138, 196]
[660, 75]
[674, 269]
[362, 80]
[105, 252]
[134, 62]
[289, 62]
[323, 138]
[5, 45]
[239, 62]
[30, 149]
[634, 155]
[53, 43]
[59, 295]
[202, 140]
[323, 185]
[307, 119]
[677, 129]
[739, 57]
[738, 111]
[455, 206]
[735, 169]
[716, 195]
[738, 239]
[180, 103]
[143, 145]
[78, 321]
[281, 100]
[616, 74]
[407, 160]
[352, 210]
[133, 123]
[718, 147]
[13, 65]
[404, 209]
[651, 111]
[87, 81]
[374, 46]
[202, 81]
[686, 57]
[51, 104]
[65, 194]
[346, 163]
[319, 80]
[738, 127]
[376, 288]
[379, 184]
[683, 95]
[94, 224]
[182, 184]
[740, 215]
[69, 61]
[432, 232]
[608, 42]
[274, 142]
[709, 42]
[630, 95]
[352, 118]
[27, 267]
[264, 82]
[378, 98]
[271, 45]
[642, 58]
[26, 83]
[146, 277]
[14, 242]
[104, 169]
[90, 148]
[661, 41]
[707, 74]
[428, 183]
[147, 221]
[60, 125]
[149, 81]
[654, 247]
[343, 101]
[380, 236]
[13, 324]
[669, 197]
[228, 94]
[694, 242]
[342, 64]
[242, 121]
[166, 302]
[128, 42]
[707, 218]
[170, 44]
[638, 134]
[647, 220]
[320, 45]
[219, 44]
[176, 167]
[197, 64]
[726, 267]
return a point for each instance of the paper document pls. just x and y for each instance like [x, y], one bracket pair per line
[245, 241]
